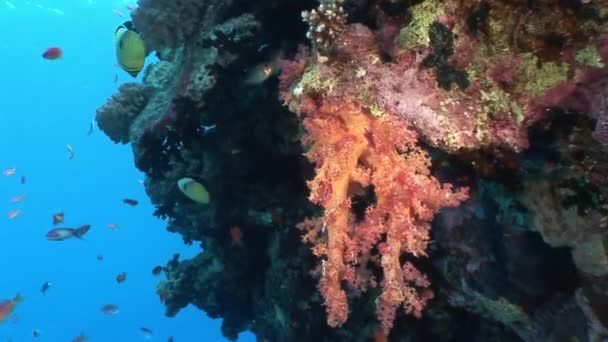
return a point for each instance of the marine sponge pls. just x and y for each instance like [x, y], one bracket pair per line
[115, 117]
[170, 23]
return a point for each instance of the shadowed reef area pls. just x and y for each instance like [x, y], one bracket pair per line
[379, 169]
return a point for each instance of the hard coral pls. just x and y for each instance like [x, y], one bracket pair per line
[353, 150]
[116, 116]
[170, 23]
[326, 23]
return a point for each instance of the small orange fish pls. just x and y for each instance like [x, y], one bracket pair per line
[118, 13]
[10, 171]
[18, 198]
[121, 277]
[236, 236]
[58, 218]
[113, 226]
[52, 53]
[14, 213]
[7, 306]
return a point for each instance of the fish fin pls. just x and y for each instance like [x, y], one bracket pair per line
[118, 28]
[129, 25]
[18, 298]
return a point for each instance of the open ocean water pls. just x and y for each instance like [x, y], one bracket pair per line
[46, 105]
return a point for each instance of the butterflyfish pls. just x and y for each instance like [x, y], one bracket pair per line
[130, 49]
[193, 190]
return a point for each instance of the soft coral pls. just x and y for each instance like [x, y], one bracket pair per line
[353, 149]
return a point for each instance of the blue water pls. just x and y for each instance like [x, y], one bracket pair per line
[45, 105]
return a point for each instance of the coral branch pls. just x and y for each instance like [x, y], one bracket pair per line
[351, 150]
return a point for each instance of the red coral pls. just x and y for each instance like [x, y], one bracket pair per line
[352, 149]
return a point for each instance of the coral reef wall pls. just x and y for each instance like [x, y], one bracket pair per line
[379, 169]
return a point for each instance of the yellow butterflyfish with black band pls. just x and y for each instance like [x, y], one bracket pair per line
[130, 49]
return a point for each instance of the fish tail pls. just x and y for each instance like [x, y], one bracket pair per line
[79, 232]
[18, 298]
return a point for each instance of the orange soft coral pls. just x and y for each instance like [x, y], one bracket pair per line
[353, 150]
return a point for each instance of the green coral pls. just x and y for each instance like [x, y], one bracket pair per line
[416, 33]
[497, 309]
[500, 309]
[589, 56]
[364, 93]
[495, 100]
[537, 77]
[376, 110]
[313, 82]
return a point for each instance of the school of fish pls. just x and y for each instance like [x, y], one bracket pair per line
[130, 56]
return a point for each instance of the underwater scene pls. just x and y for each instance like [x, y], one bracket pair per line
[304, 170]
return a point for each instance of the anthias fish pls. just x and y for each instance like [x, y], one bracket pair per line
[130, 202]
[157, 270]
[58, 218]
[110, 309]
[18, 198]
[60, 234]
[80, 338]
[121, 277]
[52, 53]
[13, 213]
[45, 287]
[8, 306]
[147, 332]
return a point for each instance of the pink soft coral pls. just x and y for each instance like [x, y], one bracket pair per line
[353, 150]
